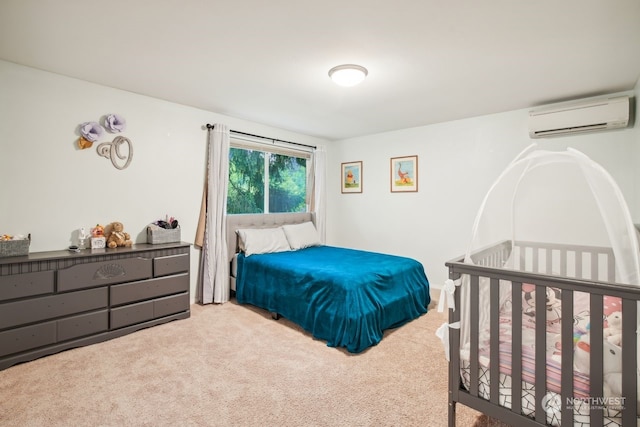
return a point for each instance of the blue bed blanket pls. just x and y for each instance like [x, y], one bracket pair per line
[344, 296]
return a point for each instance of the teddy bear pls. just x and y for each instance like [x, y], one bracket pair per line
[116, 236]
[613, 333]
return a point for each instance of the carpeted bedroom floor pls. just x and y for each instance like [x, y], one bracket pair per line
[231, 365]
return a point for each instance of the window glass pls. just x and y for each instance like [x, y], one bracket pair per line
[265, 182]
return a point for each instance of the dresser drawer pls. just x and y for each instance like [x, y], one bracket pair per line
[146, 289]
[50, 307]
[163, 266]
[171, 305]
[82, 325]
[26, 338]
[103, 273]
[27, 284]
[131, 314]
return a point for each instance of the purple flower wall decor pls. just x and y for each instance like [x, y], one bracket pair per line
[115, 123]
[91, 131]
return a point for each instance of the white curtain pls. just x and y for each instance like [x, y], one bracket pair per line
[317, 177]
[215, 274]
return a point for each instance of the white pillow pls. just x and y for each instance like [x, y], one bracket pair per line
[301, 235]
[262, 240]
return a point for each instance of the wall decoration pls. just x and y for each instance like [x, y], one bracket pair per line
[352, 177]
[114, 123]
[111, 150]
[91, 132]
[404, 174]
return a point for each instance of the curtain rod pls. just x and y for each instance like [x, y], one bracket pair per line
[210, 126]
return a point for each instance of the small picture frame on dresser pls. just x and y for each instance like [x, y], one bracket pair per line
[98, 243]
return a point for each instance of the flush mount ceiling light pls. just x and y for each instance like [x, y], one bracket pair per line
[348, 74]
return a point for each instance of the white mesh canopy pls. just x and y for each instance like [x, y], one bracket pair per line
[558, 197]
[561, 198]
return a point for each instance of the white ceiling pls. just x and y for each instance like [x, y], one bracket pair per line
[429, 61]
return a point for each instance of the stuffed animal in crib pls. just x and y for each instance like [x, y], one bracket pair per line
[611, 363]
[581, 353]
[116, 236]
[613, 333]
[552, 305]
[611, 356]
[612, 369]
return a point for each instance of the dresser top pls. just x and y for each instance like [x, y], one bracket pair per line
[51, 255]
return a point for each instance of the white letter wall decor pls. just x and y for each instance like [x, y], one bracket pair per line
[111, 150]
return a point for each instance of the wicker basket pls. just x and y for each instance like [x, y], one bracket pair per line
[161, 235]
[14, 247]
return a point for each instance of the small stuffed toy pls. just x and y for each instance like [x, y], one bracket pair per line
[97, 231]
[116, 236]
[552, 305]
[613, 333]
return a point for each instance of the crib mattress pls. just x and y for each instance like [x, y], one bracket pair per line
[582, 403]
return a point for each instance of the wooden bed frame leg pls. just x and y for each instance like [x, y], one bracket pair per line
[275, 316]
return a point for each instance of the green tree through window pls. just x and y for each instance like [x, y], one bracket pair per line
[263, 182]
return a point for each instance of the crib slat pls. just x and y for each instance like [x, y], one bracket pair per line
[595, 357]
[541, 352]
[594, 266]
[494, 344]
[474, 334]
[563, 262]
[516, 348]
[566, 331]
[579, 274]
[611, 267]
[629, 357]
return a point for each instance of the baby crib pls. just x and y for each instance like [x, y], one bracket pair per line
[504, 366]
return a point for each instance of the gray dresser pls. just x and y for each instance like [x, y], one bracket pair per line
[54, 301]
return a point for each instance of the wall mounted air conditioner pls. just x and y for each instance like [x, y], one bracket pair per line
[579, 117]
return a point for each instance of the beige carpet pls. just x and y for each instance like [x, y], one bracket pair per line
[231, 365]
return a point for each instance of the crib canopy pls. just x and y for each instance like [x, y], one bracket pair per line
[557, 197]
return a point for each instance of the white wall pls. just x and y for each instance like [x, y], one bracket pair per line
[50, 188]
[458, 161]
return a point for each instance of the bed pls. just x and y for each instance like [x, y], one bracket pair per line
[343, 296]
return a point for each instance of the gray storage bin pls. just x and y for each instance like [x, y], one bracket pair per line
[162, 235]
[14, 247]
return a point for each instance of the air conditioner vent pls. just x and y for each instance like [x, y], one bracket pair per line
[580, 117]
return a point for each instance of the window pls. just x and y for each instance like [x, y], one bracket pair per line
[266, 179]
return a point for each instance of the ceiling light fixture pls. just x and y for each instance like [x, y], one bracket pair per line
[348, 74]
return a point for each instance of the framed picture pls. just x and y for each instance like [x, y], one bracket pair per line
[352, 177]
[404, 174]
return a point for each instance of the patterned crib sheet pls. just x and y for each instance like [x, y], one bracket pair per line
[581, 340]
